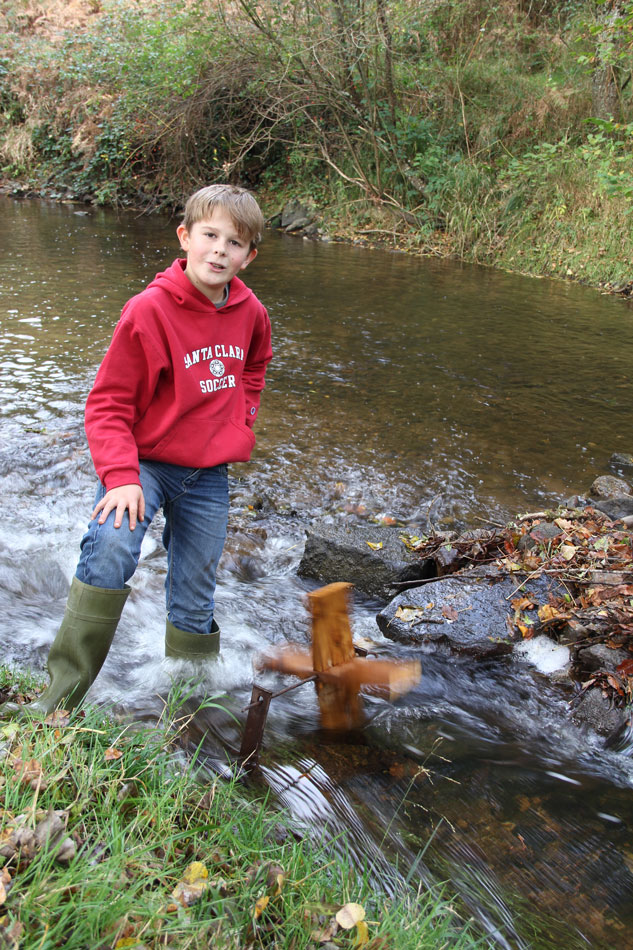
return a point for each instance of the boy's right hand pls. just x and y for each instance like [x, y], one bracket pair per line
[118, 499]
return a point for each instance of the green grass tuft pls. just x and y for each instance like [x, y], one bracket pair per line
[109, 840]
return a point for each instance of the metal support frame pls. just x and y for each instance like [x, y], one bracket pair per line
[256, 721]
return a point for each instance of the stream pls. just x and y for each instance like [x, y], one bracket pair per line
[415, 388]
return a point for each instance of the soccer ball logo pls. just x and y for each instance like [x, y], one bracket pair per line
[217, 367]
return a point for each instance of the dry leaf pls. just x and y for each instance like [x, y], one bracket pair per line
[5, 881]
[546, 612]
[111, 755]
[260, 906]
[30, 773]
[58, 718]
[374, 545]
[195, 872]
[349, 915]
[192, 886]
[326, 933]
[362, 934]
[408, 614]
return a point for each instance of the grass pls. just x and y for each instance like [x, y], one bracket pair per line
[109, 838]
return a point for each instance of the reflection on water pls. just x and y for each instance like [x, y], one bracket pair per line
[418, 386]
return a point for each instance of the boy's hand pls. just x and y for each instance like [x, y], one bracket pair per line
[118, 499]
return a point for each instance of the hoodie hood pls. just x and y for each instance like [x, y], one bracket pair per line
[175, 282]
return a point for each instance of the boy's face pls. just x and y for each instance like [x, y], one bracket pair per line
[215, 253]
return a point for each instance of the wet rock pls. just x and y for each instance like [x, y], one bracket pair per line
[590, 624]
[621, 463]
[343, 553]
[597, 712]
[447, 560]
[575, 501]
[616, 509]
[541, 533]
[295, 216]
[466, 615]
[598, 656]
[608, 486]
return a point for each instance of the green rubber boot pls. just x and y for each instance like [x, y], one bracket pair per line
[191, 646]
[79, 650]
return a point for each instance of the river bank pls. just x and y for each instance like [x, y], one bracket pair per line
[110, 836]
[460, 132]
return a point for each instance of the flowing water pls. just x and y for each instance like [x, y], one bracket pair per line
[417, 388]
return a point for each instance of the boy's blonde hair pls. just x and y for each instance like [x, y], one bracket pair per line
[237, 202]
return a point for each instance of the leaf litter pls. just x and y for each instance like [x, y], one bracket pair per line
[588, 554]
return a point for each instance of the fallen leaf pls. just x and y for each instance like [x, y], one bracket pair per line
[12, 935]
[408, 614]
[568, 551]
[58, 718]
[386, 519]
[450, 613]
[188, 894]
[374, 545]
[326, 933]
[30, 773]
[563, 524]
[349, 915]
[547, 612]
[5, 880]
[362, 934]
[111, 755]
[625, 667]
[10, 730]
[196, 871]
[192, 885]
[51, 830]
[260, 906]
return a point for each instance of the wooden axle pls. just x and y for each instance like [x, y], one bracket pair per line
[379, 677]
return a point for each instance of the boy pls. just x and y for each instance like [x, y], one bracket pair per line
[173, 402]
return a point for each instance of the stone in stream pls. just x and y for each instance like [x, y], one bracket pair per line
[599, 713]
[616, 508]
[460, 613]
[621, 463]
[371, 557]
[608, 486]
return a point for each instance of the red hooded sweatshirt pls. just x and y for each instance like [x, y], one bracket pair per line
[181, 380]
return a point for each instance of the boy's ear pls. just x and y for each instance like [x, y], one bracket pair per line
[251, 257]
[183, 236]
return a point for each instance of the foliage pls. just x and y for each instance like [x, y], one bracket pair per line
[110, 837]
[458, 128]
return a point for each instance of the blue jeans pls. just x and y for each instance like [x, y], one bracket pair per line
[196, 507]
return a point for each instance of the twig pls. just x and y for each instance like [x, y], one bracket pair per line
[488, 521]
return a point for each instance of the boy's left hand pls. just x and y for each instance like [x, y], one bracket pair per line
[119, 499]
